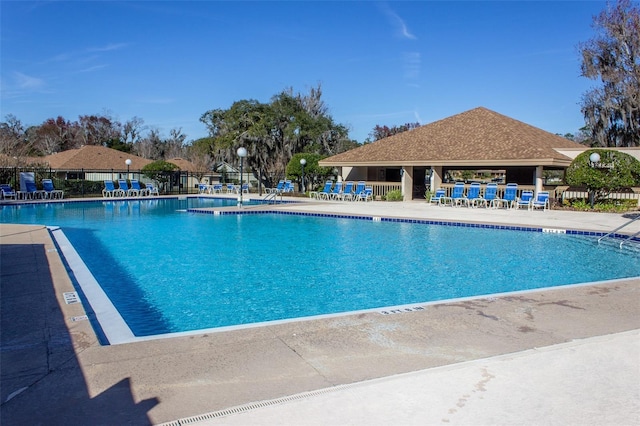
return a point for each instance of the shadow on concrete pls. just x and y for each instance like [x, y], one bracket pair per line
[41, 381]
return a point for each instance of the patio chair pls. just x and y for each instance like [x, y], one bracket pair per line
[231, 188]
[7, 191]
[347, 192]
[541, 201]
[360, 186]
[203, 188]
[49, 191]
[277, 189]
[437, 196]
[135, 185]
[245, 188]
[473, 194]
[32, 192]
[216, 188]
[509, 198]
[110, 190]
[288, 186]
[152, 189]
[457, 196]
[524, 200]
[366, 195]
[324, 194]
[489, 196]
[124, 186]
[336, 192]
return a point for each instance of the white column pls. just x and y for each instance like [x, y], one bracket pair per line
[538, 179]
[407, 183]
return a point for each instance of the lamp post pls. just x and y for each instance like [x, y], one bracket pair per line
[128, 163]
[302, 163]
[594, 160]
[242, 152]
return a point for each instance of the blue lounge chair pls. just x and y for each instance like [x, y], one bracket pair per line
[135, 185]
[216, 188]
[508, 200]
[288, 186]
[31, 192]
[245, 188]
[324, 194]
[50, 191]
[152, 190]
[231, 188]
[347, 191]
[541, 201]
[360, 186]
[124, 186]
[490, 193]
[7, 191]
[337, 191]
[524, 200]
[366, 194]
[473, 194]
[437, 196]
[110, 190]
[203, 188]
[457, 196]
[277, 189]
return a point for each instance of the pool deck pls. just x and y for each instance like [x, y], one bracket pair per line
[558, 356]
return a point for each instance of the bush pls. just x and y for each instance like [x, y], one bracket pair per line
[394, 195]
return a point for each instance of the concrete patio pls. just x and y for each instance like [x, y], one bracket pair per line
[557, 356]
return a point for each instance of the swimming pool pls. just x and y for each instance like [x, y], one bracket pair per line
[169, 270]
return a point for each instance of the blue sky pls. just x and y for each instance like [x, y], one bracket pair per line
[384, 63]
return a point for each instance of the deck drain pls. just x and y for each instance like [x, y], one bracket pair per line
[403, 310]
[71, 297]
[79, 318]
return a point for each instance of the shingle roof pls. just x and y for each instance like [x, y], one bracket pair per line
[478, 136]
[94, 157]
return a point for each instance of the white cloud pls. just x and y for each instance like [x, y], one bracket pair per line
[108, 47]
[26, 82]
[398, 23]
[412, 61]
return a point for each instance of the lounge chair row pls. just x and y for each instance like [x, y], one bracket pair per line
[31, 191]
[218, 188]
[283, 186]
[344, 191]
[110, 190]
[490, 199]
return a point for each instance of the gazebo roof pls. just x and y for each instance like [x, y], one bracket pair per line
[478, 137]
[94, 157]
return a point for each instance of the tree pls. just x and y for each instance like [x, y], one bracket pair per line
[160, 171]
[14, 143]
[612, 111]
[272, 133]
[198, 153]
[314, 175]
[615, 171]
[381, 132]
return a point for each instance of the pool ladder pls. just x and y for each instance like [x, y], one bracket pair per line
[628, 238]
[271, 197]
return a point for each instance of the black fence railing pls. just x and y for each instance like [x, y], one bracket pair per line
[90, 182]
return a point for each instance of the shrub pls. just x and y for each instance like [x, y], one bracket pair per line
[394, 195]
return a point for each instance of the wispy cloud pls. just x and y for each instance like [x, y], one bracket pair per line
[27, 82]
[108, 47]
[90, 69]
[411, 61]
[397, 22]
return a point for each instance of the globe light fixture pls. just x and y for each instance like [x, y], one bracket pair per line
[242, 152]
[302, 163]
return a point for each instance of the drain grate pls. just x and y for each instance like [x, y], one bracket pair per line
[70, 297]
[252, 406]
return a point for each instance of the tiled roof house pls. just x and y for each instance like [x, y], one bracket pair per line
[475, 139]
[94, 157]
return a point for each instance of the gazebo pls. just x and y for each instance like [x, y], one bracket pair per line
[478, 139]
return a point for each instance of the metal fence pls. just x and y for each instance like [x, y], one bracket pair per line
[90, 182]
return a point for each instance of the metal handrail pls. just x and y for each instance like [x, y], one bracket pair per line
[629, 238]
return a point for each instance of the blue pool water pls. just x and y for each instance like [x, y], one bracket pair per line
[167, 270]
